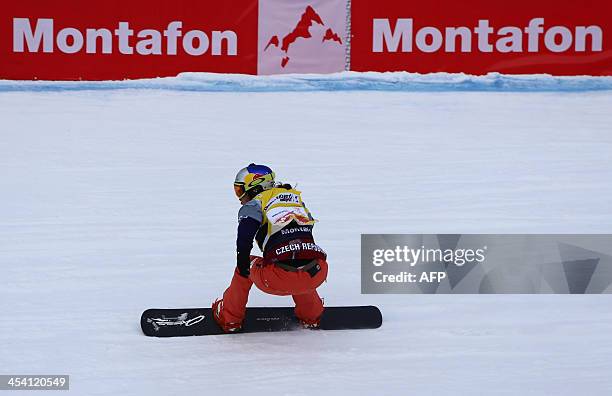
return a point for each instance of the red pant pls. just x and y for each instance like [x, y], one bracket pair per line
[274, 280]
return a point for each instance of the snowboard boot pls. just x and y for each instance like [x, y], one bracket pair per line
[228, 327]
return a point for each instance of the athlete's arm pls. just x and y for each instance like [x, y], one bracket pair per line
[250, 218]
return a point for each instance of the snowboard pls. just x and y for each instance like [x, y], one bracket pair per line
[199, 321]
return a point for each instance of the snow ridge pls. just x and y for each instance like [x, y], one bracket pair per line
[345, 81]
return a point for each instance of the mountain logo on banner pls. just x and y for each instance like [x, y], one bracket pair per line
[302, 30]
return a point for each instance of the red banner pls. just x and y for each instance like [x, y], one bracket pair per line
[110, 40]
[73, 40]
[481, 36]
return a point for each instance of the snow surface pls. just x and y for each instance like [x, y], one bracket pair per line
[117, 200]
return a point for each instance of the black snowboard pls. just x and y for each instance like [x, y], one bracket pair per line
[199, 321]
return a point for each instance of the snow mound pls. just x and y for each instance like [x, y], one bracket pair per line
[345, 81]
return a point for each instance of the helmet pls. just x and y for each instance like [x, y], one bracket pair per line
[252, 180]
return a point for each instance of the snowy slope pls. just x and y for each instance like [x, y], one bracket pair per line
[113, 201]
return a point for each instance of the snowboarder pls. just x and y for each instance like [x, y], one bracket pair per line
[292, 264]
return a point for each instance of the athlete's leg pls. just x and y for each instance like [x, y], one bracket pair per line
[229, 312]
[308, 307]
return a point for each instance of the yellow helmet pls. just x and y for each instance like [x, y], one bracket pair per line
[252, 180]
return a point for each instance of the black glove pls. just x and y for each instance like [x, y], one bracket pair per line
[244, 264]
